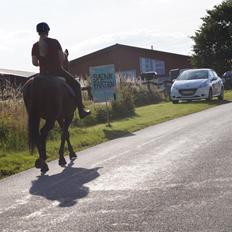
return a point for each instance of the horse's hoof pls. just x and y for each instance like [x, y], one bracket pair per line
[72, 155]
[38, 163]
[44, 169]
[62, 162]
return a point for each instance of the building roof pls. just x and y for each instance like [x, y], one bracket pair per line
[16, 73]
[110, 48]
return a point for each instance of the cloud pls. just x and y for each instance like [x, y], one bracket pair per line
[15, 49]
[12, 41]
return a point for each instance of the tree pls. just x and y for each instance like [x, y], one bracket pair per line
[213, 41]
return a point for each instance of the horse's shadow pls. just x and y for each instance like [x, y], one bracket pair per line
[66, 187]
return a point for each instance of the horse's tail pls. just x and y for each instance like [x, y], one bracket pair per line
[33, 120]
[33, 131]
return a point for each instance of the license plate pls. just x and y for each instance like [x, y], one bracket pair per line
[187, 92]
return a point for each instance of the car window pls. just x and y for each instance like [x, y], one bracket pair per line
[193, 75]
[211, 74]
[215, 74]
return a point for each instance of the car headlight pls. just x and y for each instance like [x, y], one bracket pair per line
[204, 84]
[174, 87]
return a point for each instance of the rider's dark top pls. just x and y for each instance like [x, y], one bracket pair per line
[50, 63]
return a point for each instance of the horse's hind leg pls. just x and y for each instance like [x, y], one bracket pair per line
[41, 163]
[72, 154]
[62, 160]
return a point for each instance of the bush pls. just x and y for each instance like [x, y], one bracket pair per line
[145, 95]
[98, 115]
[124, 105]
[13, 129]
[101, 113]
[4, 133]
[16, 139]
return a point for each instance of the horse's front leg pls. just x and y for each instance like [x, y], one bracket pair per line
[72, 154]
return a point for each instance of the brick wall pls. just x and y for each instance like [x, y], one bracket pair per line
[126, 58]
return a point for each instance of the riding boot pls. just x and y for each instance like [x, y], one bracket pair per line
[75, 85]
[82, 111]
[78, 98]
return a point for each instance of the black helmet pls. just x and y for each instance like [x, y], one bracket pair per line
[42, 27]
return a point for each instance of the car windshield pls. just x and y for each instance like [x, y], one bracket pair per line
[193, 75]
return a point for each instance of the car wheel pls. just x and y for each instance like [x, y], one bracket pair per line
[210, 96]
[221, 96]
[175, 101]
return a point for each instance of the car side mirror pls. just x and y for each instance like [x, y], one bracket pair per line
[214, 79]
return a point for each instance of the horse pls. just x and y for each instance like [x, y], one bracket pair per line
[49, 98]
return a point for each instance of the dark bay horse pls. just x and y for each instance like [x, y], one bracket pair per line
[48, 98]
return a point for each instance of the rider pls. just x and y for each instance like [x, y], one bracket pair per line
[47, 53]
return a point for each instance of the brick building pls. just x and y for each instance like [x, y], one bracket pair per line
[130, 61]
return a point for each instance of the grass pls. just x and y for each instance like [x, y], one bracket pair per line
[82, 138]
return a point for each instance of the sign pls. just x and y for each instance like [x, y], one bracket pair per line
[103, 82]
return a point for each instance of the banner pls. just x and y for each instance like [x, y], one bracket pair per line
[103, 83]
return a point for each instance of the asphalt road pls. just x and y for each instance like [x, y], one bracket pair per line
[176, 176]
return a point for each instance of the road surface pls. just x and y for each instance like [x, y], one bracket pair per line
[175, 176]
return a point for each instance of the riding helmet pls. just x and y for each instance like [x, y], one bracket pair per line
[42, 27]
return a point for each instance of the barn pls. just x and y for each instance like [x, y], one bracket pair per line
[130, 61]
[13, 78]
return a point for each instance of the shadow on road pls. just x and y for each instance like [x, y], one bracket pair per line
[114, 134]
[66, 187]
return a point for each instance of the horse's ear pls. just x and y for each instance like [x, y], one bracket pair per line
[66, 52]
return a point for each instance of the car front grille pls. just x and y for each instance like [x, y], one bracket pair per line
[187, 92]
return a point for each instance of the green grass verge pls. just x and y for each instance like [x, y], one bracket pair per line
[82, 138]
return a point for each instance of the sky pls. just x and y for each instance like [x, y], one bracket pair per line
[85, 26]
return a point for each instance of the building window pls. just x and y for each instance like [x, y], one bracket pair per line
[127, 75]
[147, 65]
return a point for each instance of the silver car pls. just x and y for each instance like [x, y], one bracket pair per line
[195, 84]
